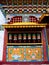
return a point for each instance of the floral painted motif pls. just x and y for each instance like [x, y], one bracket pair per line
[24, 53]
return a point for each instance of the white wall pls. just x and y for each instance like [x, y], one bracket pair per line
[1, 44]
[2, 21]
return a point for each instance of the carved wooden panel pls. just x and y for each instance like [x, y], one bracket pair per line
[35, 2]
[15, 2]
[4, 2]
[39, 2]
[9, 2]
[19, 2]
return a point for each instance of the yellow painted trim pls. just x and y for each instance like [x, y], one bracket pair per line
[23, 43]
[24, 25]
[43, 15]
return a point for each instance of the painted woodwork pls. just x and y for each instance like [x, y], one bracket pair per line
[25, 38]
[44, 44]
[47, 29]
[25, 2]
[24, 53]
[5, 45]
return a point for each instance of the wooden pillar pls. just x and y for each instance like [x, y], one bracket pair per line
[5, 45]
[44, 43]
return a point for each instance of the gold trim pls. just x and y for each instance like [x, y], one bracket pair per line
[43, 15]
[23, 43]
[24, 25]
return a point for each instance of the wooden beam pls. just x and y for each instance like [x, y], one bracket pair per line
[24, 25]
[43, 15]
[24, 43]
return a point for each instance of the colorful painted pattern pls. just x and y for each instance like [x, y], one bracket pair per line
[24, 53]
[25, 10]
[25, 2]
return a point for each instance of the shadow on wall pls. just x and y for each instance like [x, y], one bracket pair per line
[1, 27]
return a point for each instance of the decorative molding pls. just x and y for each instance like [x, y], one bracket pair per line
[25, 9]
[24, 25]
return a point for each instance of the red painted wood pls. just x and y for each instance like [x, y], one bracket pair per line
[24, 63]
[44, 46]
[15, 19]
[5, 44]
